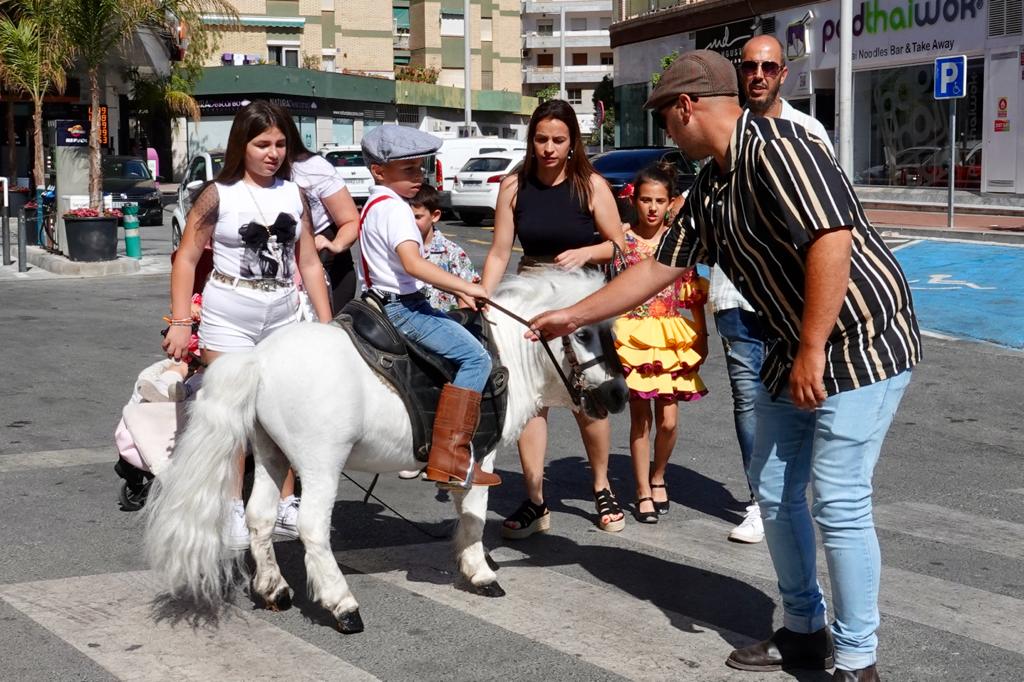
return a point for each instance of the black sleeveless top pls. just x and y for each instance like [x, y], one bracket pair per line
[550, 220]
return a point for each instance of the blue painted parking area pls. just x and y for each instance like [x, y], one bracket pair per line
[967, 290]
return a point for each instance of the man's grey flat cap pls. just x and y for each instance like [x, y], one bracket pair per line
[388, 143]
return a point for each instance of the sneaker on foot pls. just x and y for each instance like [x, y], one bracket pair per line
[287, 524]
[751, 529]
[237, 531]
[409, 474]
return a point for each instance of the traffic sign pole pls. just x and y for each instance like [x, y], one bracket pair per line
[952, 157]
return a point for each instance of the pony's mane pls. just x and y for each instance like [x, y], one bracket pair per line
[546, 288]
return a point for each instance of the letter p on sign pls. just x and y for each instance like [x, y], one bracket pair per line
[950, 77]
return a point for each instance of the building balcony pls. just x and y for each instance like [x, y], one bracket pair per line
[570, 6]
[596, 38]
[592, 73]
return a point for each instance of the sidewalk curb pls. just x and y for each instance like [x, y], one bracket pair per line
[1009, 238]
[59, 265]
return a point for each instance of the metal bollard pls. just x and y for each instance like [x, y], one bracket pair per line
[6, 228]
[132, 243]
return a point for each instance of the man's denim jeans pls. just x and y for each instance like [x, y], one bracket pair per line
[441, 334]
[834, 448]
[744, 353]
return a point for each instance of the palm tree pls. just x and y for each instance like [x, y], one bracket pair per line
[34, 54]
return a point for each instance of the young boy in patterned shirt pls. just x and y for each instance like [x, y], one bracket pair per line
[439, 250]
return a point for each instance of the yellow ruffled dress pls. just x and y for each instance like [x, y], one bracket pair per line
[655, 341]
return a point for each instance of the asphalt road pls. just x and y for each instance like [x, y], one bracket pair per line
[652, 603]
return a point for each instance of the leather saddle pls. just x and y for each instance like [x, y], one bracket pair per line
[418, 375]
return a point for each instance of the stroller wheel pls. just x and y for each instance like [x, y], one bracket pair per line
[133, 497]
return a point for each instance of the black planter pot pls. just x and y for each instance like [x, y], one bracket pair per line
[91, 239]
[30, 227]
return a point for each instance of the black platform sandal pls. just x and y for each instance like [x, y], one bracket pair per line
[607, 505]
[642, 516]
[532, 518]
[661, 507]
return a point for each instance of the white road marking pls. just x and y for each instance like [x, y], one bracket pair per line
[904, 245]
[602, 626]
[951, 527]
[940, 336]
[107, 618]
[56, 459]
[940, 604]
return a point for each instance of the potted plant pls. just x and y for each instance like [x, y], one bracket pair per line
[91, 235]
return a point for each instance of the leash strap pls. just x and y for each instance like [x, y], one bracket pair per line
[362, 251]
[573, 391]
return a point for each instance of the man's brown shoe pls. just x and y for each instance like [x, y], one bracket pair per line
[868, 674]
[786, 649]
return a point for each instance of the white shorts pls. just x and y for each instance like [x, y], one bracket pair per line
[236, 319]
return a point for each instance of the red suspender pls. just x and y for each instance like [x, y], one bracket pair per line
[362, 251]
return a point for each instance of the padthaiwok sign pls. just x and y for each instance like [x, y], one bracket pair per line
[902, 30]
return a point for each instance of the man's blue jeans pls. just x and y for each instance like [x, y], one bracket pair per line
[834, 448]
[744, 353]
[441, 334]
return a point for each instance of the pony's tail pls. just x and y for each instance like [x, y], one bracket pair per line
[188, 511]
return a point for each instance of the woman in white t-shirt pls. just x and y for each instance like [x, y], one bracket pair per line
[332, 212]
[259, 226]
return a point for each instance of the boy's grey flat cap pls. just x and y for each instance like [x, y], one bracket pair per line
[388, 143]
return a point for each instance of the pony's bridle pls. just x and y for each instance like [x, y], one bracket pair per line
[576, 385]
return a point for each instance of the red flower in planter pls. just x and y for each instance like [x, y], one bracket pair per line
[93, 213]
[19, 188]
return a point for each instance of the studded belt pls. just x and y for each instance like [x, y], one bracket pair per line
[266, 284]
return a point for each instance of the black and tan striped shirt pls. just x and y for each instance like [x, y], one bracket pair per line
[781, 188]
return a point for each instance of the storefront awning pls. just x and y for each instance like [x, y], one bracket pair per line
[247, 20]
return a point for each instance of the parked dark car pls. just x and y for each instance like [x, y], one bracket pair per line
[620, 166]
[127, 179]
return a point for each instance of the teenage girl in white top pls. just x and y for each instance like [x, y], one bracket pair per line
[255, 217]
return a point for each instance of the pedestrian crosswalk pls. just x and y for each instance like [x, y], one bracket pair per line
[662, 602]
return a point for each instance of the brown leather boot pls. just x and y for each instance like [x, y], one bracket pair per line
[458, 413]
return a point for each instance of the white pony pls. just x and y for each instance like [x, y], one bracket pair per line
[305, 397]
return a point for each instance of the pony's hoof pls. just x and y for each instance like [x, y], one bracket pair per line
[490, 590]
[491, 563]
[282, 601]
[350, 623]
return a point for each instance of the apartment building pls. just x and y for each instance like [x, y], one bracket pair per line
[332, 64]
[587, 47]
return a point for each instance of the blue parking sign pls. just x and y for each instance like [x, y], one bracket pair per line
[950, 77]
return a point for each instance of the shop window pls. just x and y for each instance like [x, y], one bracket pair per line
[579, 58]
[343, 131]
[574, 95]
[283, 55]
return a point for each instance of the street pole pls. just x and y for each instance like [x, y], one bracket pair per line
[6, 225]
[467, 70]
[952, 158]
[561, 51]
[846, 86]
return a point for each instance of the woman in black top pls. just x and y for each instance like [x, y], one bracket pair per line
[564, 214]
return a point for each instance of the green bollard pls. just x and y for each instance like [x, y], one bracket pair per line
[132, 243]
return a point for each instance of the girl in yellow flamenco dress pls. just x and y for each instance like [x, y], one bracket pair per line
[660, 347]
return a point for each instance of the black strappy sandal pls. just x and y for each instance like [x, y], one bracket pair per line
[642, 516]
[532, 518]
[607, 505]
[661, 507]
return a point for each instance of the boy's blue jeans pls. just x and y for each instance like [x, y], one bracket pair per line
[441, 334]
[834, 448]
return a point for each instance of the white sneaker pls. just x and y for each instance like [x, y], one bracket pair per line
[287, 524]
[751, 530]
[237, 531]
[410, 474]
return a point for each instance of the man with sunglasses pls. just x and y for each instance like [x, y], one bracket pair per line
[762, 72]
[775, 212]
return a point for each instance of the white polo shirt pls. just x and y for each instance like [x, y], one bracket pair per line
[386, 224]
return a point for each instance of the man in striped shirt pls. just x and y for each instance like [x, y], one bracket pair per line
[778, 216]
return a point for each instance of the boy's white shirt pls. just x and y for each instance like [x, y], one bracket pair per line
[389, 223]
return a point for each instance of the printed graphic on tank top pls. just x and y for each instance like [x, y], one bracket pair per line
[256, 230]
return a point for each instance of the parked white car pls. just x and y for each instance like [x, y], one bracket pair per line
[475, 190]
[201, 169]
[348, 163]
[456, 151]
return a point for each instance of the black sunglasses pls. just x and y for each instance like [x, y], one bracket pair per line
[659, 119]
[769, 69]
